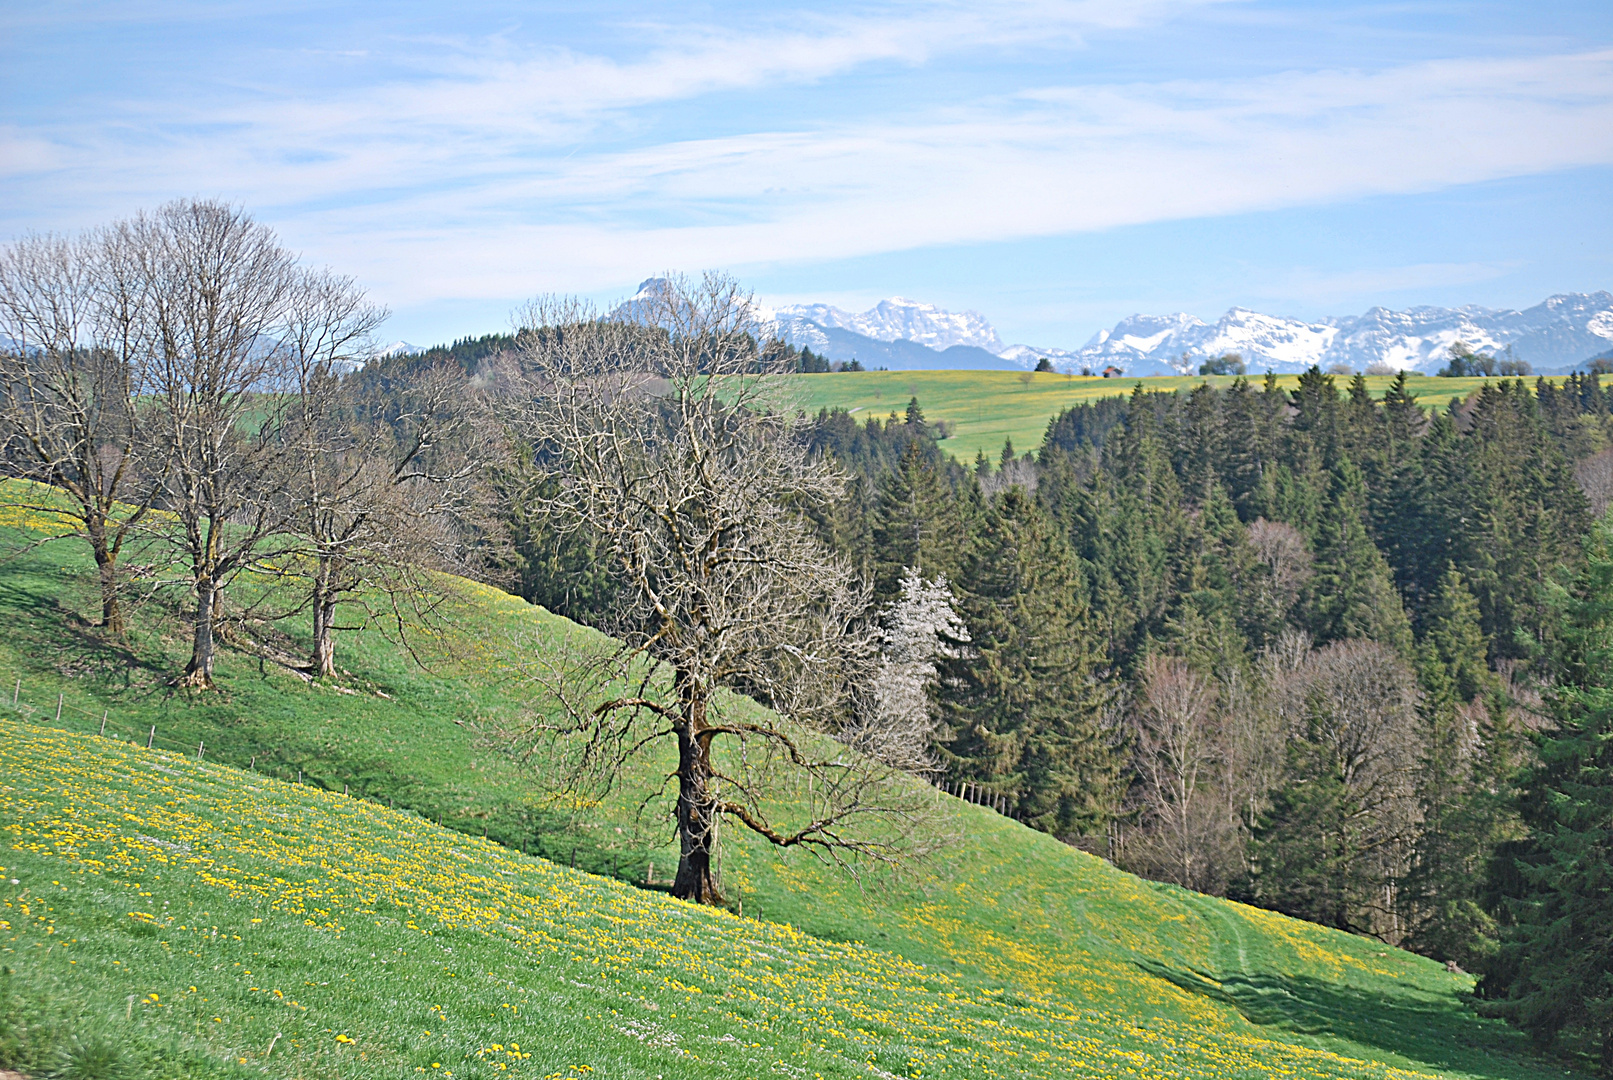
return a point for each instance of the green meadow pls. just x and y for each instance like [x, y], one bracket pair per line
[267, 891]
[986, 407]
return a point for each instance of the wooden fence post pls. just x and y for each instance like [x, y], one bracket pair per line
[102, 732]
[152, 737]
[58, 708]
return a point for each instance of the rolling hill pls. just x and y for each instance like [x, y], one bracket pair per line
[271, 894]
[985, 407]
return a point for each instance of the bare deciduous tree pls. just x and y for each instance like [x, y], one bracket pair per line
[1284, 552]
[1345, 816]
[377, 501]
[230, 313]
[1188, 832]
[70, 377]
[662, 439]
[1595, 478]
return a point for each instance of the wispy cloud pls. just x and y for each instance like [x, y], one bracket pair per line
[1058, 161]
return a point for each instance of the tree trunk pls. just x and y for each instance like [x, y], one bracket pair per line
[697, 806]
[199, 672]
[324, 616]
[106, 566]
[107, 570]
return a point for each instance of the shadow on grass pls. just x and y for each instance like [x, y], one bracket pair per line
[1428, 1030]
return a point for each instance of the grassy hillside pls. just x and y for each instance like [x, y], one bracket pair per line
[987, 406]
[387, 946]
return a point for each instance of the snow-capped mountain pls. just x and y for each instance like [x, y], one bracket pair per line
[902, 334]
[1556, 334]
[900, 319]
[400, 348]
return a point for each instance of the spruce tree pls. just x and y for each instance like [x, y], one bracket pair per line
[1361, 424]
[917, 522]
[1350, 594]
[1247, 452]
[1145, 537]
[1461, 783]
[1398, 505]
[1522, 516]
[1021, 707]
[1555, 970]
[1315, 430]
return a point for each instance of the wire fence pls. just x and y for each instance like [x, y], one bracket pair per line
[1003, 802]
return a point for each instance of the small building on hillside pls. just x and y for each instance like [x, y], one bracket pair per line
[1112, 372]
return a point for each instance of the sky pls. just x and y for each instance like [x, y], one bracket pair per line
[1056, 166]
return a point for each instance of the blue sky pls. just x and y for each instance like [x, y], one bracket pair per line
[1053, 165]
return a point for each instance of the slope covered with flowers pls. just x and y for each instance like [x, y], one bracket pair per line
[221, 923]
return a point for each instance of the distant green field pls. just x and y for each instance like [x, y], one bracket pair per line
[389, 947]
[986, 407]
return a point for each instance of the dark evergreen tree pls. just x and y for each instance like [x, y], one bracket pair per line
[1314, 433]
[1403, 524]
[1350, 594]
[1142, 538]
[1249, 444]
[1515, 515]
[918, 522]
[1022, 708]
[1469, 748]
[1555, 969]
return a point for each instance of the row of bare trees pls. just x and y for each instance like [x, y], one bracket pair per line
[172, 381]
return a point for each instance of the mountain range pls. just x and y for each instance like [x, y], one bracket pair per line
[1554, 335]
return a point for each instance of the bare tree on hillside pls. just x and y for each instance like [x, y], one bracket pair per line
[379, 502]
[1341, 825]
[1595, 478]
[1189, 834]
[71, 373]
[661, 437]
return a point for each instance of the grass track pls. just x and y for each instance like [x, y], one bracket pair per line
[986, 407]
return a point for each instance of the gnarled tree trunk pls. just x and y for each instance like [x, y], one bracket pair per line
[697, 804]
[324, 605]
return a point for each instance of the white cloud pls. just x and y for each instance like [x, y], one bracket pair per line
[1060, 161]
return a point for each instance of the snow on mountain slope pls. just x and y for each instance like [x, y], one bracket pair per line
[899, 319]
[1553, 335]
